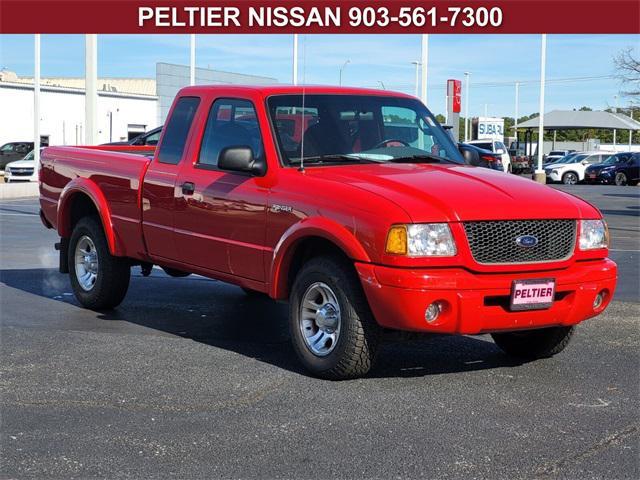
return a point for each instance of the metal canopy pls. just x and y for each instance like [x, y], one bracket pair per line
[573, 120]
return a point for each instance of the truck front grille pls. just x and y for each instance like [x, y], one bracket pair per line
[495, 241]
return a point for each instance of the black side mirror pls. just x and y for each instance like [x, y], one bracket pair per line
[470, 155]
[240, 159]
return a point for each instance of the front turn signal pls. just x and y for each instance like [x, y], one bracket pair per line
[397, 240]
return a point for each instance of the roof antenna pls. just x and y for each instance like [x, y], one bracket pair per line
[304, 82]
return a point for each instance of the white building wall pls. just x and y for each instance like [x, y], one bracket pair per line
[62, 114]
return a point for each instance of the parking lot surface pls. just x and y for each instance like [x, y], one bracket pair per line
[190, 378]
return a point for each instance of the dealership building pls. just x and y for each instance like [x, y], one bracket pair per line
[126, 107]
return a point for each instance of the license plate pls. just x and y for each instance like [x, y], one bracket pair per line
[592, 175]
[532, 294]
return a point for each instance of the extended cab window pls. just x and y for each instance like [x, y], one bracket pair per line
[177, 130]
[231, 123]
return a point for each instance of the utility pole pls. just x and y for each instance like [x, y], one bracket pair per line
[466, 105]
[540, 175]
[615, 97]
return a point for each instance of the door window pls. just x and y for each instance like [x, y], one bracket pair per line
[178, 128]
[231, 123]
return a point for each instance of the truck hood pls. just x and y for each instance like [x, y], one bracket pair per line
[437, 193]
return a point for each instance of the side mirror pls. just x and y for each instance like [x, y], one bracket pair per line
[470, 155]
[584, 162]
[240, 159]
[500, 151]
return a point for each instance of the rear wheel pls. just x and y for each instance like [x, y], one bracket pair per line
[172, 272]
[570, 178]
[332, 328]
[533, 344]
[621, 179]
[99, 280]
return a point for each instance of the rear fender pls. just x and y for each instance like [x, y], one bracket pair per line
[84, 186]
[309, 227]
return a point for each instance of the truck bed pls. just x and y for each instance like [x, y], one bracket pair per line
[116, 171]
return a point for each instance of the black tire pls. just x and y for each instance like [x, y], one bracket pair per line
[172, 272]
[620, 179]
[357, 343]
[533, 344]
[113, 273]
[570, 178]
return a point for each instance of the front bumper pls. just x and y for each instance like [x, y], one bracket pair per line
[553, 176]
[479, 303]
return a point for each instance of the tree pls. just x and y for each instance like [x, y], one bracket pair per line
[628, 67]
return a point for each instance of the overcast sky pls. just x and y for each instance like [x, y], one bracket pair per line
[491, 59]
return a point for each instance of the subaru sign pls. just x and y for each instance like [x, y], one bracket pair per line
[490, 128]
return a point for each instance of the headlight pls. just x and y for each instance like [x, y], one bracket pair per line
[594, 234]
[421, 240]
[7, 169]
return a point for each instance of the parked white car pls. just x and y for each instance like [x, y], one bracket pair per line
[572, 169]
[20, 170]
[496, 147]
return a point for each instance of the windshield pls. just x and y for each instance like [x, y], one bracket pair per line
[571, 158]
[356, 129]
[613, 159]
[29, 156]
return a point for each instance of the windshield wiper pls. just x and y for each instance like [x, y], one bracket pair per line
[422, 158]
[334, 158]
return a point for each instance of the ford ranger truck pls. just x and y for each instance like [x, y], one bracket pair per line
[354, 205]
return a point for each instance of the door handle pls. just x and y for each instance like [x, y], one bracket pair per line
[188, 188]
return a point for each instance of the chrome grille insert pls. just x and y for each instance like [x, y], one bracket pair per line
[495, 241]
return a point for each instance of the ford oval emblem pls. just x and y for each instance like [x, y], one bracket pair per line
[527, 241]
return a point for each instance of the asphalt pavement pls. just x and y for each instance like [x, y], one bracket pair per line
[190, 378]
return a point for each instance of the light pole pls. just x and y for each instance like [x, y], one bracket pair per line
[295, 59]
[615, 98]
[417, 64]
[516, 113]
[540, 175]
[425, 63]
[36, 106]
[192, 59]
[467, 82]
[341, 70]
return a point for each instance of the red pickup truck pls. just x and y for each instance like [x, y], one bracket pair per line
[354, 205]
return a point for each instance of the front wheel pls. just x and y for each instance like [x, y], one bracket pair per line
[621, 179]
[570, 178]
[99, 280]
[332, 328]
[534, 344]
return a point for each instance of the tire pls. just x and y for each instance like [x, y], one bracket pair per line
[172, 272]
[534, 344]
[570, 178]
[352, 350]
[633, 183]
[112, 274]
[620, 179]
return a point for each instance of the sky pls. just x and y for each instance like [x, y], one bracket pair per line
[495, 62]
